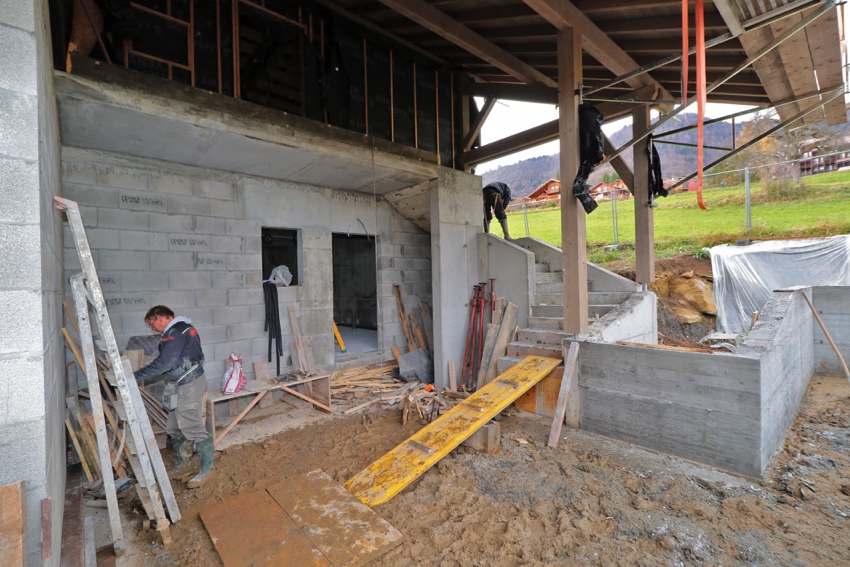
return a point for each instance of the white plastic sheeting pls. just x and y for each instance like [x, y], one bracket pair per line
[745, 276]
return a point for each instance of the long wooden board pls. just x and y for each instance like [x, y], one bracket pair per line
[390, 474]
[13, 524]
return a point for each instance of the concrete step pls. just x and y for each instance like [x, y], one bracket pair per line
[522, 349]
[541, 267]
[593, 297]
[549, 278]
[558, 311]
[547, 323]
[551, 287]
[542, 336]
[504, 364]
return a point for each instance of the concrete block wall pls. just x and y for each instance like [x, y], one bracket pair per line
[513, 268]
[32, 393]
[833, 307]
[726, 410]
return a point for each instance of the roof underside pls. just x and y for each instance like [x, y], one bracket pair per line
[476, 35]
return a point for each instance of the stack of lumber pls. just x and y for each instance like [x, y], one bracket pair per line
[361, 381]
[427, 404]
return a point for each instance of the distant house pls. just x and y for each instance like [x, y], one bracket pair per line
[549, 191]
[606, 191]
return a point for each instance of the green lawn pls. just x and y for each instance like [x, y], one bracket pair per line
[820, 207]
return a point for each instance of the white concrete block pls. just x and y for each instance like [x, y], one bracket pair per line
[19, 191]
[71, 260]
[132, 324]
[211, 297]
[172, 184]
[252, 245]
[21, 246]
[89, 216]
[209, 225]
[223, 350]
[122, 219]
[255, 279]
[213, 189]
[213, 334]
[180, 205]
[243, 227]
[244, 262]
[142, 201]
[245, 296]
[109, 281]
[22, 399]
[19, 116]
[188, 243]
[226, 244]
[143, 240]
[190, 280]
[114, 260]
[80, 173]
[91, 195]
[231, 315]
[171, 223]
[99, 238]
[171, 260]
[17, 14]
[251, 330]
[199, 315]
[149, 280]
[119, 302]
[122, 178]
[175, 300]
[315, 238]
[229, 280]
[18, 65]
[28, 434]
[204, 261]
[226, 209]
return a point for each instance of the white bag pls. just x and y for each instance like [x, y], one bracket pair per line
[234, 378]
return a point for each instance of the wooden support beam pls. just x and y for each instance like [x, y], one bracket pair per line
[620, 165]
[731, 14]
[446, 27]
[522, 93]
[475, 127]
[568, 386]
[511, 144]
[573, 221]
[644, 218]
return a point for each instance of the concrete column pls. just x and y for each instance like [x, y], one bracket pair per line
[32, 391]
[644, 218]
[573, 227]
[455, 220]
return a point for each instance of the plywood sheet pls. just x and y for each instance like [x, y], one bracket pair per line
[252, 530]
[13, 524]
[346, 531]
[390, 474]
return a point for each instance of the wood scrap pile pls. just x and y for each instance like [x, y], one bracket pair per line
[361, 381]
[427, 403]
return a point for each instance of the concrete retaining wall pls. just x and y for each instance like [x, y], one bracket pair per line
[726, 410]
[833, 306]
[32, 390]
[189, 238]
[513, 268]
[635, 321]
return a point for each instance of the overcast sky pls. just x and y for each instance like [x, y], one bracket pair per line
[510, 117]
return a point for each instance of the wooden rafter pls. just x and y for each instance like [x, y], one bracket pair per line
[436, 21]
[475, 127]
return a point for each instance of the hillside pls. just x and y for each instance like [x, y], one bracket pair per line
[676, 161]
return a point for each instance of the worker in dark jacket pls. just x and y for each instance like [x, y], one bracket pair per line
[180, 362]
[497, 197]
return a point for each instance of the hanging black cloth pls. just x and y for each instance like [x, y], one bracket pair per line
[591, 149]
[272, 322]
[656, 181]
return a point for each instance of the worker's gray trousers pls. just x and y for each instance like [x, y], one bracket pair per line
[186, 420]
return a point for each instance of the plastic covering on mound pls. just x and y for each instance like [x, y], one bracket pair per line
[745, 276]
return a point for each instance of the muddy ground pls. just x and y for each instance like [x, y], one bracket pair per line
[591, 501]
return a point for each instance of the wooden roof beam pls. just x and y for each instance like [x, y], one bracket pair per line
[441, 24]
[523, 93]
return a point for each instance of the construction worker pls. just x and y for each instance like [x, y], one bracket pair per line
[180, 362]
[497, 197]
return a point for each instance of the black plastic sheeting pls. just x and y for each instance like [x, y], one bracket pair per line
[592, 150]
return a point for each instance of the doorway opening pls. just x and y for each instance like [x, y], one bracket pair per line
[355, 292]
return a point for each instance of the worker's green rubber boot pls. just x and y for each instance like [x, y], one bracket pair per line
[205, 451]
[504, 223]
[182, 453]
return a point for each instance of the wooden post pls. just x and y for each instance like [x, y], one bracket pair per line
[573, 222]
[568, 385]
[644, 218]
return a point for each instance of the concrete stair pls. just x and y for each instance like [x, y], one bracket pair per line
[545, 332]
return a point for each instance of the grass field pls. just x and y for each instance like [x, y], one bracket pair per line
[820, 206]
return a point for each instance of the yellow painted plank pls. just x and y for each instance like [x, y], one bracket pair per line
[390, 474]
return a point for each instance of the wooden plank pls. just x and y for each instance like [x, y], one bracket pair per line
[452, 376]
[252, 530]
[393, 472]
[502, 340]
[296, 334]
[239, 417]
[261, 370]
[88, 531]
[567, 385]
[644, 216]
[396, 353]
[402, 315]
[66, 305]
[499, 311]
[13, 524]
[427, 322]
[305, 397]
[825, 47]
[46, 530]
[798, 64]
[346, 531]
[487, 354]
[418, 334]
[79, 450]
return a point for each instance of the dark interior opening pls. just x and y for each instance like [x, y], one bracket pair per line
[355, 282]
[280, 248]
